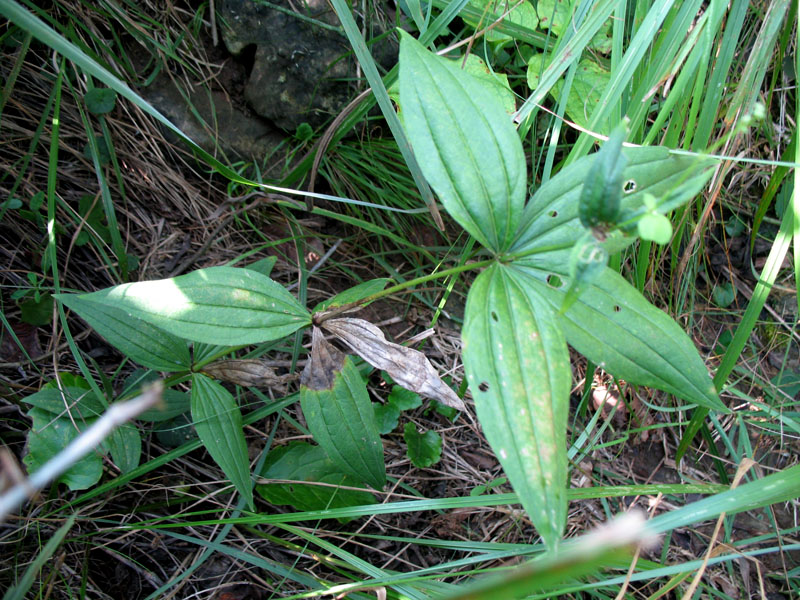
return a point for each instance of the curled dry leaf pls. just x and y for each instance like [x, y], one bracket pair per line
[324, 363]
[408, 367]
[247, 373]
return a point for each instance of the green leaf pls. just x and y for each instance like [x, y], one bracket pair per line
[218, 305]
[48, 437]
[523, 14]
[590, 81]
[339, 414]
[613, 325]
[137, 339]
[37, 313]
[554, 15]
[404, 399]
[587, 262]
[218, 422]
[551, 222]
[724, 294]
[81, 402]
[386, 417]
[92, 214]
[466, 144]
[496, 83]
[448, 412]
[263, 266]
[655, 227]
[125, 446]
[103, 151]
[174, 403]
[516, 361]
[423, 449]
[100, 101]
[176, 432]
[302, 462]
[354, 294]
[599, 203]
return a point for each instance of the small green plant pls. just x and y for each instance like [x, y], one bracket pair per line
[544, 284]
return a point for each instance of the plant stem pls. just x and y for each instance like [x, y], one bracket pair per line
[323, 316]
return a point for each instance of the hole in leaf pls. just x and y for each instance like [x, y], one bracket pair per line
[553, 213]
[629, 186]
[617, 308]
[494, 316]
[554, 281]
[484, 387]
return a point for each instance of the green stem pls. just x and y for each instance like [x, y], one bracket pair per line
[321, 317]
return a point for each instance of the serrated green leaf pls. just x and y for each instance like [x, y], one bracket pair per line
[466, 144]
[423, 449]
[516, 361]
[342, 421]
[100, 101]
[550, 221]
[48, 436]
[137, 339]
[613, 325]
[218, 305]
[218, 422]
[302, 462]
[354, 294]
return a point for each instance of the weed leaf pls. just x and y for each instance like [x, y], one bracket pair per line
[470, 151]
[424, 449]
[339, 414]
[100, 101]
[354, 294]
[301, 462]
[138, 340]
[218, 305]
[600, 198]
[48, 437]
[517, 365]
[406, 366]
[551, 218]
[79, 401]
[218, 422]
[125, 446]
[174, 403]
[614, 326]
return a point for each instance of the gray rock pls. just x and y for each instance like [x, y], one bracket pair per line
[303, 71]
[226, 128]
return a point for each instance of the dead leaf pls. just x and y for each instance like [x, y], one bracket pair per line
[245, 372]
[324, 363]
[408, 367]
